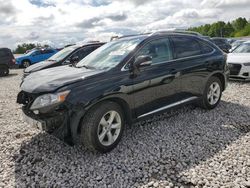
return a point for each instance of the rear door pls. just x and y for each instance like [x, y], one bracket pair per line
[46, 54]
[157, 85]
[192, 58]
[36, 56]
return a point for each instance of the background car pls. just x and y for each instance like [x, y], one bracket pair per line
[69, 55]
[35, 56]
[222, 43]
[239, 62]
[7, 61]
[236, 43]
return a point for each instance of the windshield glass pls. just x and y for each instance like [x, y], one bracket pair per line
[243, 48]
[62, 54]
[110, 54]
[30, 52]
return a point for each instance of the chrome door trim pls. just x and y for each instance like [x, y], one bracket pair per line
[168, 106]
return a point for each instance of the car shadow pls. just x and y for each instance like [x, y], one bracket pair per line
[170, 143]
[9, 75]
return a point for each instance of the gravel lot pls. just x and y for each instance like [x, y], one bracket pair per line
[188, 147]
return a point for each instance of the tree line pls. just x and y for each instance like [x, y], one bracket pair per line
[236, 28]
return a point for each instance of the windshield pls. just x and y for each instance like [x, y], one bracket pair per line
[62, 54]
[243, 48]
[110, 54]
[30, 52]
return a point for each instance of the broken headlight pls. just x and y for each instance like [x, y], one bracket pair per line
[49, 100]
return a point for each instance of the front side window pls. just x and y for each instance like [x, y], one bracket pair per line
[84, 52]
[186, 47]
[159, 50]
[36, 53]
[47, 51]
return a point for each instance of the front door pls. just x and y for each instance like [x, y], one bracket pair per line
[157, 85]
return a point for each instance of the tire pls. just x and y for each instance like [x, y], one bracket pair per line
[4, 71]
[25, 63]
[93, 135]
[211, 99]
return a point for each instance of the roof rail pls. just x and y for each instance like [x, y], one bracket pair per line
[157, 32]
[125, 36]
[176, 31]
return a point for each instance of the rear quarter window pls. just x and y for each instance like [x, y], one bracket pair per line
[206, 48]
[4, 53]
[186, 47]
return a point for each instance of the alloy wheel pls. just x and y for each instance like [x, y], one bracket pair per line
[214, 93]
[109, 128]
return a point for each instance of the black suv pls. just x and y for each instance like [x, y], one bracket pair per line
[7, 61]
[125, 80]
[222, 43]
[69, 55]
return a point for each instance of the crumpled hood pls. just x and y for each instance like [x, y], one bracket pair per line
[49, 80]
[39, 66]
[238, 58]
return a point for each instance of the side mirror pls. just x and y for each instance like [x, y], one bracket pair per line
[143, 61]
[66, 62]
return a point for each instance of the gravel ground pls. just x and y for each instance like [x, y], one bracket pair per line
[188, 147]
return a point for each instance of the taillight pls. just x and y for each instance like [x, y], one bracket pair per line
[13, 61]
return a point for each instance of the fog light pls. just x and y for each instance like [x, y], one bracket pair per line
[246, 74]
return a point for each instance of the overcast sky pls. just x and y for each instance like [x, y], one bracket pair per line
[59, 22]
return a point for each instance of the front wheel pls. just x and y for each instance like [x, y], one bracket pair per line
[102, 127]
[212, 94]
[26, 64]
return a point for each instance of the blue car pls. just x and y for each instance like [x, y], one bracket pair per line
[34, 56]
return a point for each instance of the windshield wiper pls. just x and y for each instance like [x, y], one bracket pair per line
[86, 66]
[51, 60]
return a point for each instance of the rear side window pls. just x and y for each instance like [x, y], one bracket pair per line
[186, 47]
[84, 52]
[160, 50]
[4, 53]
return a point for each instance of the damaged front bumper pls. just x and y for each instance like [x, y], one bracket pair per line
[62, 121]
[46, 122]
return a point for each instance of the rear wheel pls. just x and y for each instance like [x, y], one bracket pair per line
[102, 127]
[212, 94]
[4, 71]
[26, 63]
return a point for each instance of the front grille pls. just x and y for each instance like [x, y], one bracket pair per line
[25, 98]
[234, 68]
[25, 74]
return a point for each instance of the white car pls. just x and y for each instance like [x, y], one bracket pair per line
[239, 62]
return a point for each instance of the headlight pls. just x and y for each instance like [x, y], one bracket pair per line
[246, 64]
[49, 100]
